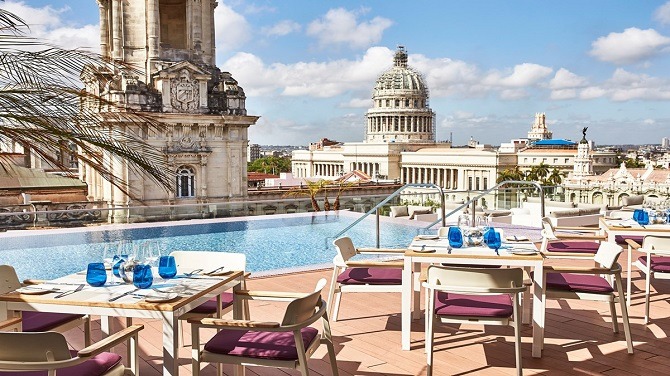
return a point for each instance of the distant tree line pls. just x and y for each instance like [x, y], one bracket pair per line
[541, 173]
[270, 165]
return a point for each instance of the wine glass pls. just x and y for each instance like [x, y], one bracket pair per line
[492, 239]
[455, 237]
[167, 267]
[96, 274]
[142, 276]
[151, 251]
[463, 220]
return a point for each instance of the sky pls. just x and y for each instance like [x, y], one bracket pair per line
[308, 67]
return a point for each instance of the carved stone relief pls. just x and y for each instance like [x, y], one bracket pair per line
[185, 92]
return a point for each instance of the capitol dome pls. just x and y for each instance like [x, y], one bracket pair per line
[400, 111]
[400, 78]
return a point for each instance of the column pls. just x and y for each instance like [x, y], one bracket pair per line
[116, 30]
[152, 29]
[103, 7]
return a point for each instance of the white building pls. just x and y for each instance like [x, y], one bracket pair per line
[203, 134]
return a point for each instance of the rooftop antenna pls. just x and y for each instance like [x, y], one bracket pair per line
[451, 138]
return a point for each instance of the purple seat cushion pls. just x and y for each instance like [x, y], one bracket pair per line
[44, 321]
[370, 276]
[578, 283]
[658, 263]
[263, 345]
[471, 266]
[209, 307]
[621, 239]
[449, 304]
[577, 246]
[95, 366]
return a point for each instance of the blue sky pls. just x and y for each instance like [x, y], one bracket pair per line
[308, 66]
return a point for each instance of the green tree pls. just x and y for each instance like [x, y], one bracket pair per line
[555, 177]
[270, 165]
[511, 174]
[40, 109]
[311, 189]
[539, 173]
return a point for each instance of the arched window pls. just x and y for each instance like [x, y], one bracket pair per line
[185, 182]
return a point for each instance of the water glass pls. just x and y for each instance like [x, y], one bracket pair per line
[455, 237]
[96, 275]
[116, 263]
[492, 239]
[167, 267]
[641, 216]
[142, 276]
[463, 220]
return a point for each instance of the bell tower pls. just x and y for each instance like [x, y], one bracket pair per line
[167, 71]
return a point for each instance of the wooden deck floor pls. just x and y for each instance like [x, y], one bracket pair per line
[579, 338]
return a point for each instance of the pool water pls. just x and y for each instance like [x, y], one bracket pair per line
[279, 243]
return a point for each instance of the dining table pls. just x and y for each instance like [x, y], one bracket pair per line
[614, 227]
[166, 300]
[514, 252]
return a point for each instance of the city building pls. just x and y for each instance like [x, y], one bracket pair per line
[400, 144]
[170, 46]
[253, 152]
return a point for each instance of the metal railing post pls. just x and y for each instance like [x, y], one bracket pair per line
[378, 229]
[443, 203]
[474, 215]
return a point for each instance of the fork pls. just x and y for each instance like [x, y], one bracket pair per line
[194, 272]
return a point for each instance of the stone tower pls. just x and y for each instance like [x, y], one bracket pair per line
[583, 161]
[539, 130]
[400, 111]
[167, 49]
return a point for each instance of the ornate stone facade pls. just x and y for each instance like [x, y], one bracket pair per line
[167, 50]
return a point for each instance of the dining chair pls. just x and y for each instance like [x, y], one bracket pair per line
[655, 263]
[42, 321]
[208, 261]
[268, 344]
[364, 275]
[567, 241]
[473, 295]
[588, 283]
[48, 354]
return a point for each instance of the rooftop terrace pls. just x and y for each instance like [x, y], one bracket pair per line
[579, 339]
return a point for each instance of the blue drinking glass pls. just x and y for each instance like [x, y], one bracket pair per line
[492, 239]
[641, 216]
[96, 275]
[455, 237]
[116, 262]
[142, 276]
[167, 267]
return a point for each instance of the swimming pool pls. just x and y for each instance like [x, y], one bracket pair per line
[278, 243]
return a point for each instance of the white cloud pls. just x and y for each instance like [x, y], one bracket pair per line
[649, 121]
[513, 94]
[357, 103]
[341, 27]
[48, 24]
[631, 46]
[282, 28]
[626, 86]
[662, 14]
[563, 94]
[592, 93]
[232, 29]
[525, 74]
[564, 79]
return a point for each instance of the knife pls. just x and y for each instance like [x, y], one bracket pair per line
[122, 295]
[65, 293]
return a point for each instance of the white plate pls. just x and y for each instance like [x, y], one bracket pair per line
[522, 252]
[35, 290]
[427, 237]
[161, 298]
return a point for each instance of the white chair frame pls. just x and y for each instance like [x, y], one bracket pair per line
[345, 252]
[474, 281]
[652, 245]
[303, 310]
[9, 281]
[49, 350]
[606, 257]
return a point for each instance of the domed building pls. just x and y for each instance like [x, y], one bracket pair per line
[399, 136]
[400, 111]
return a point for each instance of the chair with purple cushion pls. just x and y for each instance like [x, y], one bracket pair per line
[568, 241]
[364, 275]
[268, 344]
[48, 354]
[655, 263]
[473, 295]
[209, 261]
[588, 283]
[42, 321]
